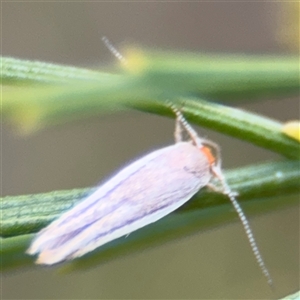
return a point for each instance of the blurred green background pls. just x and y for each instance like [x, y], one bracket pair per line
[215, 265]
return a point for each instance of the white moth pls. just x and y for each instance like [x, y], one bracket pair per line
[142, 193]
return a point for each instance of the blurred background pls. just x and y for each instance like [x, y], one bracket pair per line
[217, 264]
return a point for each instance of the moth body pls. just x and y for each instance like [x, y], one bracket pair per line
[140, 194]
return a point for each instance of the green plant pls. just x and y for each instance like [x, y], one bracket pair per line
[37, 95]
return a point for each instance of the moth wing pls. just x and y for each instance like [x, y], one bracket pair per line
[122, 221]
[141, 194]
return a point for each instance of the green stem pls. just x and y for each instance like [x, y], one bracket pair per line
[237, 123]
[259, 185]
[17, 71]
[159, 76]
[29, 213]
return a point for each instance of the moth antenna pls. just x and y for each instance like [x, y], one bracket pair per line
[246, 225]
[231, 195]
[251, 238]
[113, 50]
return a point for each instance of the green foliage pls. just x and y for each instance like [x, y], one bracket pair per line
[37, 95]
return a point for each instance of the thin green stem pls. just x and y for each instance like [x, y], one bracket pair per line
[259, 188]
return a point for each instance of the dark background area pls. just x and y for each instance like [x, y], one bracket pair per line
[215, 265]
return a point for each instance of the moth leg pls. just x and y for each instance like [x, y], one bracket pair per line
[220, 190]
[181, 123]
[215, 188]
[178, 131]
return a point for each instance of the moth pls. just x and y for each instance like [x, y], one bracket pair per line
[142, 193]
